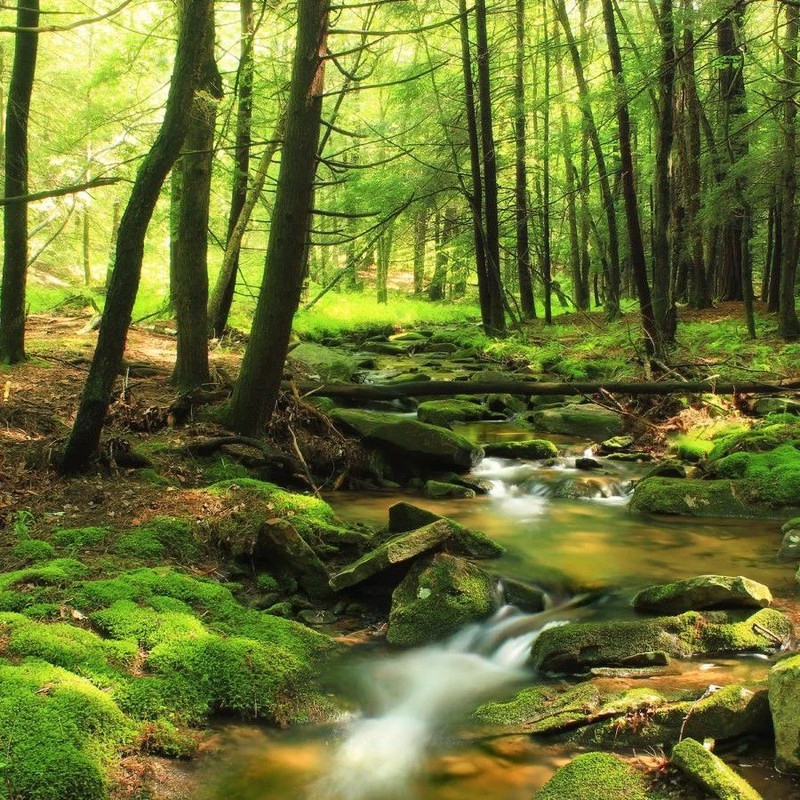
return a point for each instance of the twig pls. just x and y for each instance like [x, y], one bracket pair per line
[299, 454]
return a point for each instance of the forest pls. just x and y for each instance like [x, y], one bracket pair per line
[399, 400]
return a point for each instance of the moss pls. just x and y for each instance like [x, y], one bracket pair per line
[438, 596]
[283, 609]
[713, 774]
[60, 733]
[31, 550]
[543, 703]
[143, 545]
[154, 478]
[42, 583]
[596, 776]
[75, 539]
[42, 611]
[223, 469]
[692, 450]
[445, 412]
[127, 620]
[175, 535]
[699, 498]
[531, 448]
[267, 583]
[758, 439]
[160, 737]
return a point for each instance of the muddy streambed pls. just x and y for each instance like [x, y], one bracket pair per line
[566, 528]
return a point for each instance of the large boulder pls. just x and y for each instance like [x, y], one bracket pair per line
[411, 439]
[407, 517]
[579, 647]
[790, 546]
[702, 592]
[329, 363]
[578, 419]
[776, 405]
[533, 449]
[439, 596]
[709, 771]
[445, 412]
[596, 776]
[408, 546]
[698, 498]
[784, 702]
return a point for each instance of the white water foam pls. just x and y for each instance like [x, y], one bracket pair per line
[418, 692]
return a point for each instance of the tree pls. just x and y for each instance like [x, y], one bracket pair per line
[256, 390]
[189, 263]
[84, 437]
[15, 216]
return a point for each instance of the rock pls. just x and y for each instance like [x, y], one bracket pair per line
[702, 592]
[525, 596]
[586, 463]
[507, 404]
[331, 364]
[533, 449]
[408, 336]
[791, 525]
[790, 546]
[631, 457]
[578, 419]
[411, 439]
[406, 517]
[784, 703]
[439, 596]
[698, 498]
[441, 347]
[765, 406]
[491, 376]
[595, 776]
[407, 546]
[445, 412]
[577, 648]
[478, 485]
[666, 469]
[711, 772]
[407, 377]
[437, 489]
[387, 348]
[617, 444]
[314, 617]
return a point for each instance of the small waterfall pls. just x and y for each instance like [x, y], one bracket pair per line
[417, 693]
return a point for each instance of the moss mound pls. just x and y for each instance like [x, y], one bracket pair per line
[596, 776]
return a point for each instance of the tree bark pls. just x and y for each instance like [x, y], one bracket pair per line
[259, 381]
[189, 273]
[652, 334]
[613, 269]
[96, 396]
[420, 239]
[222, 299]
[788, 323]
[547, 255]
[523, 250]
[15, 216]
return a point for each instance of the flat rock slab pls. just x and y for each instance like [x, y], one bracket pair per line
[702, 592]
[533, 449]
[711, 772]
[408, 546]
[415, 440]
[330, 363]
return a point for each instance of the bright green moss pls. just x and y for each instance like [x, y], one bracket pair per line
[42, 611]
[127, 620]
[596, 776]
[692, 450]
[75, 539]
[59, 734]
[266, 583]
[142, 544]
[31, 550]
[776, 472]
[223, 469]
[162, 738]
[154, 478]
[58, 572]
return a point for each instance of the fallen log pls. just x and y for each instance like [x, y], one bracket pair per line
[375, 391]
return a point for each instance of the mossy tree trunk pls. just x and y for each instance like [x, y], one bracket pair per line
[85, 434]
[262, 367]
[15, 215]
[189, 265]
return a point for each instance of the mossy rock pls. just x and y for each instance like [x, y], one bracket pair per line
[329, 363]
[405, 517]
[445, 412]
[702, 592]
[578, 419]
[439, 489]
[699, 498]
[533, 449]
[784, 701]
[410, 439]
[711, 772]
[579, 647]
[596, 776]
[439, 596]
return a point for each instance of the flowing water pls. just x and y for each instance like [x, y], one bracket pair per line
[568, 530]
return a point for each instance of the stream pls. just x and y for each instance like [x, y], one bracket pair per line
[409, 734]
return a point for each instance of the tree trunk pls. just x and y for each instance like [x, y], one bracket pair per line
[112, 248]
[547, 256]
[638, 261]
[613, 269]
[86, 242]
[85, 435]
[384, 249]
[663, 304]
[438, 284]
[788, 323]
[774, 296]
[497, 322]
[15, 216]
[189, 278]
[222, 299]
[259, 380]
[523, 251]
[420, 237]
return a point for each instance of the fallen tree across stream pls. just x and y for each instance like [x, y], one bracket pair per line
[374, 391]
